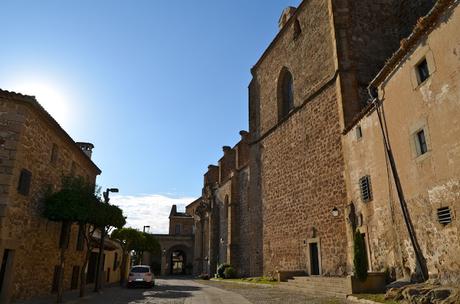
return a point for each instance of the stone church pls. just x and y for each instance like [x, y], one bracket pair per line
[289, 196]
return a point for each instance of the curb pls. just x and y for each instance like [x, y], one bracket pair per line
[245, 283]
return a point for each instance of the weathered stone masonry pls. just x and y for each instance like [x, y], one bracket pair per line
[298, 159]
[28, 134]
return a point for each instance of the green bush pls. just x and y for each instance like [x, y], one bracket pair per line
[229, 272]
[360, 258]
[221, 269]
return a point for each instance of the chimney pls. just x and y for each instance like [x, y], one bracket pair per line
[86, 147]
[287, 13]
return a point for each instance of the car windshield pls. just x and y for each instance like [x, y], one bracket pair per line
[140, 269]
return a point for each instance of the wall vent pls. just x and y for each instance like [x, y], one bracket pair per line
[366, 190]
[444, 215]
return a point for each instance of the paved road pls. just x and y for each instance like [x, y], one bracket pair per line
[168, 291]
[186, 291]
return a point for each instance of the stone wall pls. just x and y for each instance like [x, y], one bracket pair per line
[301, 165]
[35, 241]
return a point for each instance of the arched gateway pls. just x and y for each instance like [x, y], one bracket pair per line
[177, 246]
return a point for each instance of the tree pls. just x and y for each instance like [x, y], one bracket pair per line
[129, 239]
[78, 202]
[360, 257]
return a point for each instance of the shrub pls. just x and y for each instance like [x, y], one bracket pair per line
[360, 258]
[204, 276]
[230, 272]
[221, 269]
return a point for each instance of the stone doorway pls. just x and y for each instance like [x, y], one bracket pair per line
[314, 259]
[178, 260]
[5, 273]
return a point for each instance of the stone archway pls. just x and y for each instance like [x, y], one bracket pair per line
[178, 260]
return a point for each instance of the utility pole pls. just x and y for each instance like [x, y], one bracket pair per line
[419, 258]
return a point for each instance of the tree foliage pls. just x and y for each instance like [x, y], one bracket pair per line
[77, 201]
[133, 239]
[360, 257]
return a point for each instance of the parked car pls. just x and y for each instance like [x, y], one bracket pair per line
[141, 275]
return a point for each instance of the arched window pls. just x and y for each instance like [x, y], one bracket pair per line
[297, 29]
[285, 93]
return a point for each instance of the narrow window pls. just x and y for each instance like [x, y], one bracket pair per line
[65, 235]
[115, 261]
[297, 29]
[365, 187]
[57, 272]
[285, 94]
[422, 71]
[177, 229]
[54, 154]
[108, 275]
[81, 231]
[420, 142]
[359, 132]
[444, 216]
[75, 275]
[24, 182]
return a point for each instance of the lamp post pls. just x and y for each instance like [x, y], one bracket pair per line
[100, 265]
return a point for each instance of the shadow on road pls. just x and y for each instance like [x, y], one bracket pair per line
[165, 289]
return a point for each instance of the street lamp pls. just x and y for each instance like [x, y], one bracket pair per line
[100, 266]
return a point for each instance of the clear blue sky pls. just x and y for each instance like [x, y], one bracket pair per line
[158, 86]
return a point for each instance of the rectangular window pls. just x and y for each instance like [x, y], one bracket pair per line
[54, 154]
[177, 229]
[75, 275]
[108, 275]
[80, 239]
[24, 182]
[422, 71]
[115, 262]
[420, 143]
[359, 132]
[57, 272]
[65, 235]
[365, 187]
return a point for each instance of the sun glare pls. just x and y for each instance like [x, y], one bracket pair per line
[49, 96]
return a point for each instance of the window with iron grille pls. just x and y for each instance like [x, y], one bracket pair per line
[24, 182]
[366, 189]
[444, 215]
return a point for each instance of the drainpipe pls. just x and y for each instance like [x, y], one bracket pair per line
[420, 260]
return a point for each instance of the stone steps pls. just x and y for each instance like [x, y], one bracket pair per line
[326, 286]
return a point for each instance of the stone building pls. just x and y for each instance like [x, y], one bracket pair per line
[419, 95]
[223, 214]
[306, 89]
[35, 152]
[177, 249]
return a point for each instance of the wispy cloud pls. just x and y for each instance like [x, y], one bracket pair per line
[149, 210]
